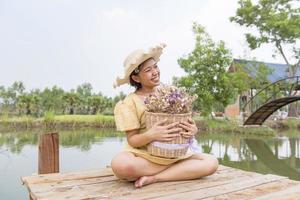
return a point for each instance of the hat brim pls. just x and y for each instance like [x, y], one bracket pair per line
[153, 52]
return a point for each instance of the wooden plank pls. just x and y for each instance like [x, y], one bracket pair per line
[223, 167]
[104, 187]
[49, 186]
[226, 183]
[102, 190]
[253, 192]
[44, 187]
[48, 153]
[223, 173]
[222, 189]
[158, 190]
[125, 190]
[54, 177]
[78, 179]
[75, 178]
[291, 193]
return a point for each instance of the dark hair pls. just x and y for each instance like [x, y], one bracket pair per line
[134, 73]
[133, 82]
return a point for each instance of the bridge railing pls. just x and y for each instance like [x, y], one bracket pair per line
[281, 88]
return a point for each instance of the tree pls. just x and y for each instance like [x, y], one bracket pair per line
[14, 100]
[108, 106]
[28, 102]
[251, 76]
[118, 97]
[95, 103]
[84, 91]
[3, 99]
[206, 68]
[18, 87]
[71, 100]
[52, 99]
[10, 95]
[36, 106]
[56, 98]
[277, 22]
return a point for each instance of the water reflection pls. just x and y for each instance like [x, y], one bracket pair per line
[285, 166]
[280, 155]
[79, 150]
[91, 149]
[82, 139]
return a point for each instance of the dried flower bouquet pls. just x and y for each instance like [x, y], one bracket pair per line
[175, 105]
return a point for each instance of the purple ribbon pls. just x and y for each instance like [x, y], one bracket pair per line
[192, 144]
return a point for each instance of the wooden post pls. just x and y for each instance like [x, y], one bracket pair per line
[48, 153]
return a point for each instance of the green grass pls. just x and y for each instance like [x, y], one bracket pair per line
[51, 121]
[230, 126]
[74, 121]
[22, 121]
[289, 123]
[18, 119]
[83, 118]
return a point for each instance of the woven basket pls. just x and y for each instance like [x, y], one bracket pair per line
[171, 149]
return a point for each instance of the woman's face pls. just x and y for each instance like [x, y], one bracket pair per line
[149, 75]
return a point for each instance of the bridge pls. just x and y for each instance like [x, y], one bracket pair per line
[271, 98]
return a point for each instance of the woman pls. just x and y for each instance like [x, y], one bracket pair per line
[134, 163]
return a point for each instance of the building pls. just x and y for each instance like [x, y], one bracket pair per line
[278, 71]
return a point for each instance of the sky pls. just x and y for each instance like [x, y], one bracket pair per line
[70, 42]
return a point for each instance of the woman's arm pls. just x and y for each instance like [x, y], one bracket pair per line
[158, 132]
[135, 139]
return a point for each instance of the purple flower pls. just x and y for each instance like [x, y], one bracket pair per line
[170, 99]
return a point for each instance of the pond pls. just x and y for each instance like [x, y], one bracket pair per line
[93, 149]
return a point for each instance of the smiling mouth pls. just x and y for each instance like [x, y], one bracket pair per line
[155, 78]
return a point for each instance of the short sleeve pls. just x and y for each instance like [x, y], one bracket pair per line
[126, 116]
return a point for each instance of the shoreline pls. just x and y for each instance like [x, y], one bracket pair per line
[107, 121]
[58, 122]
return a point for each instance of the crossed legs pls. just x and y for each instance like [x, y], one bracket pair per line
[127, 166]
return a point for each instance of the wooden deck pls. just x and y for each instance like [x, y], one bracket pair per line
[226, 183]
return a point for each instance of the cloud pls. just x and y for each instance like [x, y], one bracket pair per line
[70, 42]
[117, 13]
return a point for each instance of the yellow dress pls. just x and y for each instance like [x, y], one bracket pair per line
[129, 115]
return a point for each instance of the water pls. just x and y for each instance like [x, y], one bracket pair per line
[79, 150]
[93, 149]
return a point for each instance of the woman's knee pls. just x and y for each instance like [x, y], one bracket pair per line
[123, 167]
[210, 161]
[213, 164]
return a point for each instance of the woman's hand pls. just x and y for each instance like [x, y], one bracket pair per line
[189, 128]
[160, 132]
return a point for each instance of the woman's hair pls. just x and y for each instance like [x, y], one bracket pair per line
[133, 82]
[134, 73]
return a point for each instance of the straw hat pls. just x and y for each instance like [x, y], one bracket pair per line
[135, 58]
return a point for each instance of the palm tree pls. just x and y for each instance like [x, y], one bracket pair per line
[28, 102]
[71, 99]
[94, 102]
[84, 91]
[52, 99]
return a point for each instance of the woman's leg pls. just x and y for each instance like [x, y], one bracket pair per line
[127, 166]
[197, 166]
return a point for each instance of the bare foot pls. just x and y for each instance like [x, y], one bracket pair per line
[144, 180]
